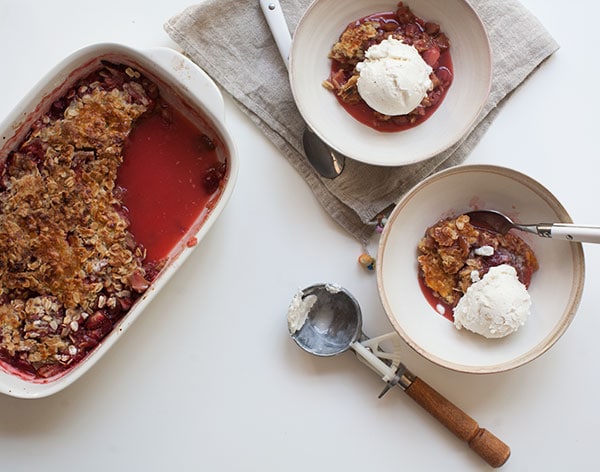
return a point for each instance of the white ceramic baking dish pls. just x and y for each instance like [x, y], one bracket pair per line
[182, 84]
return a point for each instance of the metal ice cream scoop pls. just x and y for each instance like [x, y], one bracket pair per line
[325, 320]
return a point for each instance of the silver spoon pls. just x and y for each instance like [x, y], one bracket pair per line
[325, 320]
[326, 161]
[502, 224]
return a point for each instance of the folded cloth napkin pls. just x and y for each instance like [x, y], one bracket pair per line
[231, 41]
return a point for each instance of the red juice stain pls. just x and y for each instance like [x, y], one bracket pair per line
[166, 162]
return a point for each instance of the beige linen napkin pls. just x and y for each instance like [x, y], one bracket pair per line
[231, 41]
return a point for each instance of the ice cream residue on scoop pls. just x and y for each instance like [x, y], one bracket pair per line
[298, 311]
[393, 78]
[495, 306]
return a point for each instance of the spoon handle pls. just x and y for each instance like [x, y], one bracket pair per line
[584, 234]
[279, 29]
[485, 444]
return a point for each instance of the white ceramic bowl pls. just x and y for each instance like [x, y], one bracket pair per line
[555, 288]
[182, 84]
[321, 26]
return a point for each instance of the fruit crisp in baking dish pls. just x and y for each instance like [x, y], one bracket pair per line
[453, 249]
[70, 265]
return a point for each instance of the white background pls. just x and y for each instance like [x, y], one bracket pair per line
[207, 379]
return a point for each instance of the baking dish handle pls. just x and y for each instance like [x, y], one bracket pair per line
[191, 76]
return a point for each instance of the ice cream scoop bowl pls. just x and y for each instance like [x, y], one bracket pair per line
[331, 323]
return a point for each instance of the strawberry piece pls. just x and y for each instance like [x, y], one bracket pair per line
[98, 321]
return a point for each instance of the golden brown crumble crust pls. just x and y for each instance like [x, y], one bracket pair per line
[353, 42]
[66, 256]
[447, 256]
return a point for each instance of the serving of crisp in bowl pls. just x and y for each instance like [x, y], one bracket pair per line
[431, 257]
[390, 83]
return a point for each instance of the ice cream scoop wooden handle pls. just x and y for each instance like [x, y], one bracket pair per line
[489, 447]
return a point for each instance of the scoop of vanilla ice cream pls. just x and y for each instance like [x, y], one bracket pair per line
[393, 78]
[495, 306]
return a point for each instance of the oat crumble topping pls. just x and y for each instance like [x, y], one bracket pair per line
[449, 253]
[69, 267]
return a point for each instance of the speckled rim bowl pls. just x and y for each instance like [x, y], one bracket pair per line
[184, 85]
[555, 289]
[320, 27]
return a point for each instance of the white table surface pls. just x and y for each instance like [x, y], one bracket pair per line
[207, 379]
